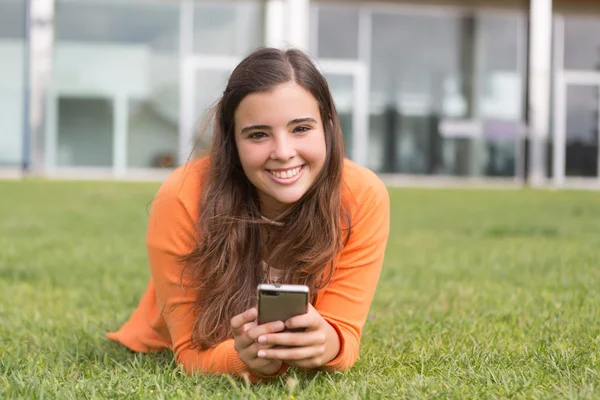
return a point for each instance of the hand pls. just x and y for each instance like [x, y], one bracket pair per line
[245, 332]
[313, 348]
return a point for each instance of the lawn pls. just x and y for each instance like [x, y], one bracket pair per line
[484, 294]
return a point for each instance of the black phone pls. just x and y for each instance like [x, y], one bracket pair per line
[281, 302]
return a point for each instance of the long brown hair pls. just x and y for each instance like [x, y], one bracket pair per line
[226, 264]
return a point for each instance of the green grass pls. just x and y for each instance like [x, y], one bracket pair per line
[484, 294]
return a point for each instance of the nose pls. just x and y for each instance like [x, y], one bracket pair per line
[283, 147]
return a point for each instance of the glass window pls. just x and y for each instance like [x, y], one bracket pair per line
[501, 49]
[228, 28]
[415, 78]
[209, 86]
[446, 93]
[500, 90]
[85, 127]
[582, 43]
[116, 58]
[153, 136]
[12, 29]
[342, 87]
[337, 32]
[582, 130]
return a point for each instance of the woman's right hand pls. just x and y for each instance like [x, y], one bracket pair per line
[245, 333]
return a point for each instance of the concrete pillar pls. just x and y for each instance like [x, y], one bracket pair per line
[287, 23]
[274, 23]
[298, 23]
[540, 57]
[39, 50]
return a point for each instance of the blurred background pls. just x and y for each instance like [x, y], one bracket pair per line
[495, 90]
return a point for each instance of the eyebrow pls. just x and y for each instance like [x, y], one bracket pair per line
[292, 122]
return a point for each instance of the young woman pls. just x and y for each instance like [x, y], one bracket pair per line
[274, 202]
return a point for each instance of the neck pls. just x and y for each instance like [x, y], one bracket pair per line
[272, 209]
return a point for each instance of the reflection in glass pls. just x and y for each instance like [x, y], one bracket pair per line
[500, 90]
[85, 132]
[415, 66]
[342, 87]
[446, 93]
[583, 107]
[12, 22]
[582, 43]
[209, 88]
[153, 135]
[127, 54]
[228, 28]
[337, 31]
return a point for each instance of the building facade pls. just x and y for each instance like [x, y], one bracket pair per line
[501, 90]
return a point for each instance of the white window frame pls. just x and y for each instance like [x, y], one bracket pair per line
[563, 78]
[359, 69]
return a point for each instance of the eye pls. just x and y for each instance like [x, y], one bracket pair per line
[302, 129]
[257, 135]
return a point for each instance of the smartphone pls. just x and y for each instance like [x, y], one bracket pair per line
[281, 302]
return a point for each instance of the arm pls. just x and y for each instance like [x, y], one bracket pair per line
[171, 233]
[345, 302]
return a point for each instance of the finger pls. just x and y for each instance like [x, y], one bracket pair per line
[249, 325]
[238, 322]
[251, 352]
[249, 356]
[253, 333]
[292, 353]
[310, 320]
[307, 363]
[294, 339]
[259, 346]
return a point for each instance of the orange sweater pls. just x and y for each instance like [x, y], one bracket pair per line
[344, 303]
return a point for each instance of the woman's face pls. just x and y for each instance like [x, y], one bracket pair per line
[281, 143]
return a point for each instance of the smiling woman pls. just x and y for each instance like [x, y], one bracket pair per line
[275, 201]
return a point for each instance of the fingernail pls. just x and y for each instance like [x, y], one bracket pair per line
[262, 339]
[262, 353]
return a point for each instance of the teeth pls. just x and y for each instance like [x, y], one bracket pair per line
[286, 174]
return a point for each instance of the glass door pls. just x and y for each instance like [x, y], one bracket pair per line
[214, 37]
[577, 128]
[342, 88]
[203, 80]
[347, 83]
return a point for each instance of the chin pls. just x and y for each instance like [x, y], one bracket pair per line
[289, 199]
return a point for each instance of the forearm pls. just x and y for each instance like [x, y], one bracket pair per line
[222, 359]
[349, 343]
[332, 343]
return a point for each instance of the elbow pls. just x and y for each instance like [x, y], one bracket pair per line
[349, 351]
[190, 363]
[185, 364]
[345, 363]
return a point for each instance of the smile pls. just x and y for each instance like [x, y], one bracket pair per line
[285, 175]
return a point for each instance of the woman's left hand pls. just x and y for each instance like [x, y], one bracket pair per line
[313, 348]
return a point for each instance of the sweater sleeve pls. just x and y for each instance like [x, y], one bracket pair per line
[170, 234]
[345, 302]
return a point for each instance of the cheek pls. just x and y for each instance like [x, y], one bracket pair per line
[250, 157]
[319, 150]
